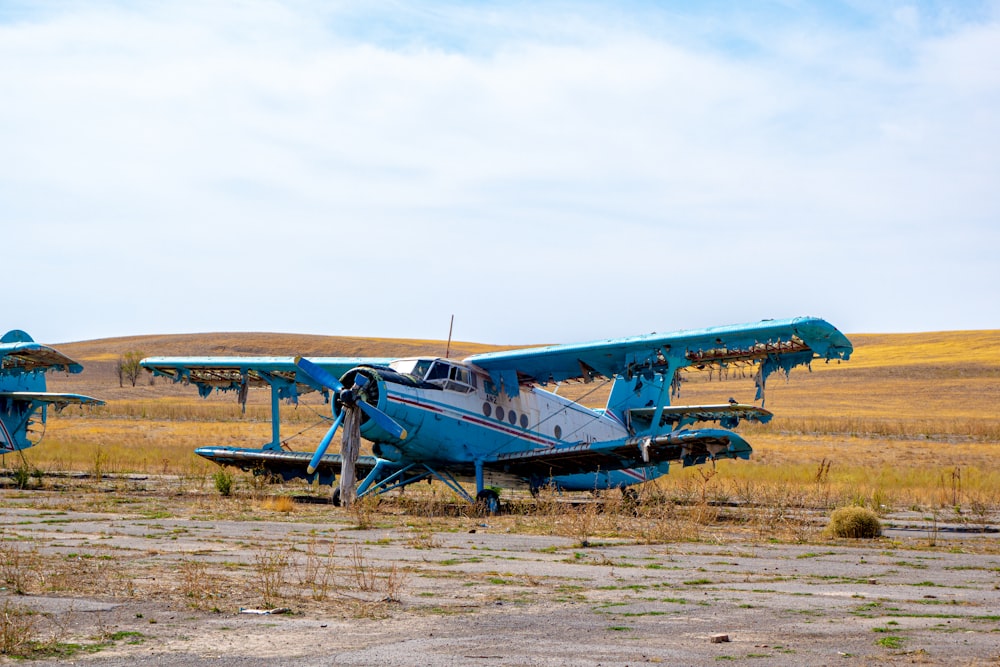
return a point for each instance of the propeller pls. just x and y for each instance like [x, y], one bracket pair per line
[349, 399]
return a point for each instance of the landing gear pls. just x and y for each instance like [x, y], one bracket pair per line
[488, 501]
[335, 498]
[630, 500]
[630, 495]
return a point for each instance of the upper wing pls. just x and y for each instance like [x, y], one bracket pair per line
[687, 446]
[30, 356]
[772, 343]
[234, 373]
[60, 401]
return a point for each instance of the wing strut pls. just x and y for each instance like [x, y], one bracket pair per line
[275, 443]
[663, 399]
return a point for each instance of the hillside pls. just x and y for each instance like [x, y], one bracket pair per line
[899, 378]
[99, 357]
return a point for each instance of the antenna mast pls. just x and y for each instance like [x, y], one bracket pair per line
[447, 350]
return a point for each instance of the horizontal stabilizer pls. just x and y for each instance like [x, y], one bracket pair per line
[728, 415]
[693, 447]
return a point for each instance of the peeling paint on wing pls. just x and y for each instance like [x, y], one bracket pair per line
[783, 363]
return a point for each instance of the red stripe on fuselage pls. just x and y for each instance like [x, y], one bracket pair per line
[416, 404]
[639, 476]
[494, 426]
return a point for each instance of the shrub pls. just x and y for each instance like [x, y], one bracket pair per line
[223, 481]
[21, 476]
[857, 522]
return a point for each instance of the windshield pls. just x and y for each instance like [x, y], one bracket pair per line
[415, 367]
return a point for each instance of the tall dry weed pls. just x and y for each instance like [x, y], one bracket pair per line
[582, 521]
[663, 523]
[269, 568]
[364, 510]
[18, 630]
[19, 568]
[318, 572]
[394, 583]
[365, 576]
[202, 588]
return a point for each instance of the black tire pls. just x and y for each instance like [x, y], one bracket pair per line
[630, 495]
[335, 498]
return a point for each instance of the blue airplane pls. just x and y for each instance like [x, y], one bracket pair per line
[487, 419]
[24, 402]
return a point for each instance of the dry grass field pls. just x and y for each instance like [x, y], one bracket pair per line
[911, 419]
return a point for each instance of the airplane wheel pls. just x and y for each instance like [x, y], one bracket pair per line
[488, 501]
[335, 498]
[630, 499]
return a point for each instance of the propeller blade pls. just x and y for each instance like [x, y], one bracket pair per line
[327, 380]
[383, 420]
[318, 373]
[324, 443]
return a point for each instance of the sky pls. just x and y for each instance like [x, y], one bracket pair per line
[544, 171]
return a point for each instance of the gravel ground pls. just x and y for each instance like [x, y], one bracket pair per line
[139, 572]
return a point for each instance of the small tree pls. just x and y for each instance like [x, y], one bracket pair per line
[120, 371]
[129, 366]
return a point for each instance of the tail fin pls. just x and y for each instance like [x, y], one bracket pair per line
[24, 402]
[635, 393]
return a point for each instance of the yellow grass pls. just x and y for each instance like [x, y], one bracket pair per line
[911, 419]
[283, 504]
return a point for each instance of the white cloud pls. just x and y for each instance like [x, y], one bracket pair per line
[546, 174]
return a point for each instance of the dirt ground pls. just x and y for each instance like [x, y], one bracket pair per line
[147, 569]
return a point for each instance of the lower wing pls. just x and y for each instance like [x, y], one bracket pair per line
[286, 465]
[689, 447]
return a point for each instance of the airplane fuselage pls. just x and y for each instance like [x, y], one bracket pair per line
[452, 413]
[489, 415]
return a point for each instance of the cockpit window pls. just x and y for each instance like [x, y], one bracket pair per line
[415, 367]
[439, 371]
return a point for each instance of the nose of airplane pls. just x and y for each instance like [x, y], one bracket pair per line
[360, 384]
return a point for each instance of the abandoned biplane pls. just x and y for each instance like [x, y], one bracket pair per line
[24, 402]
[487, 418]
